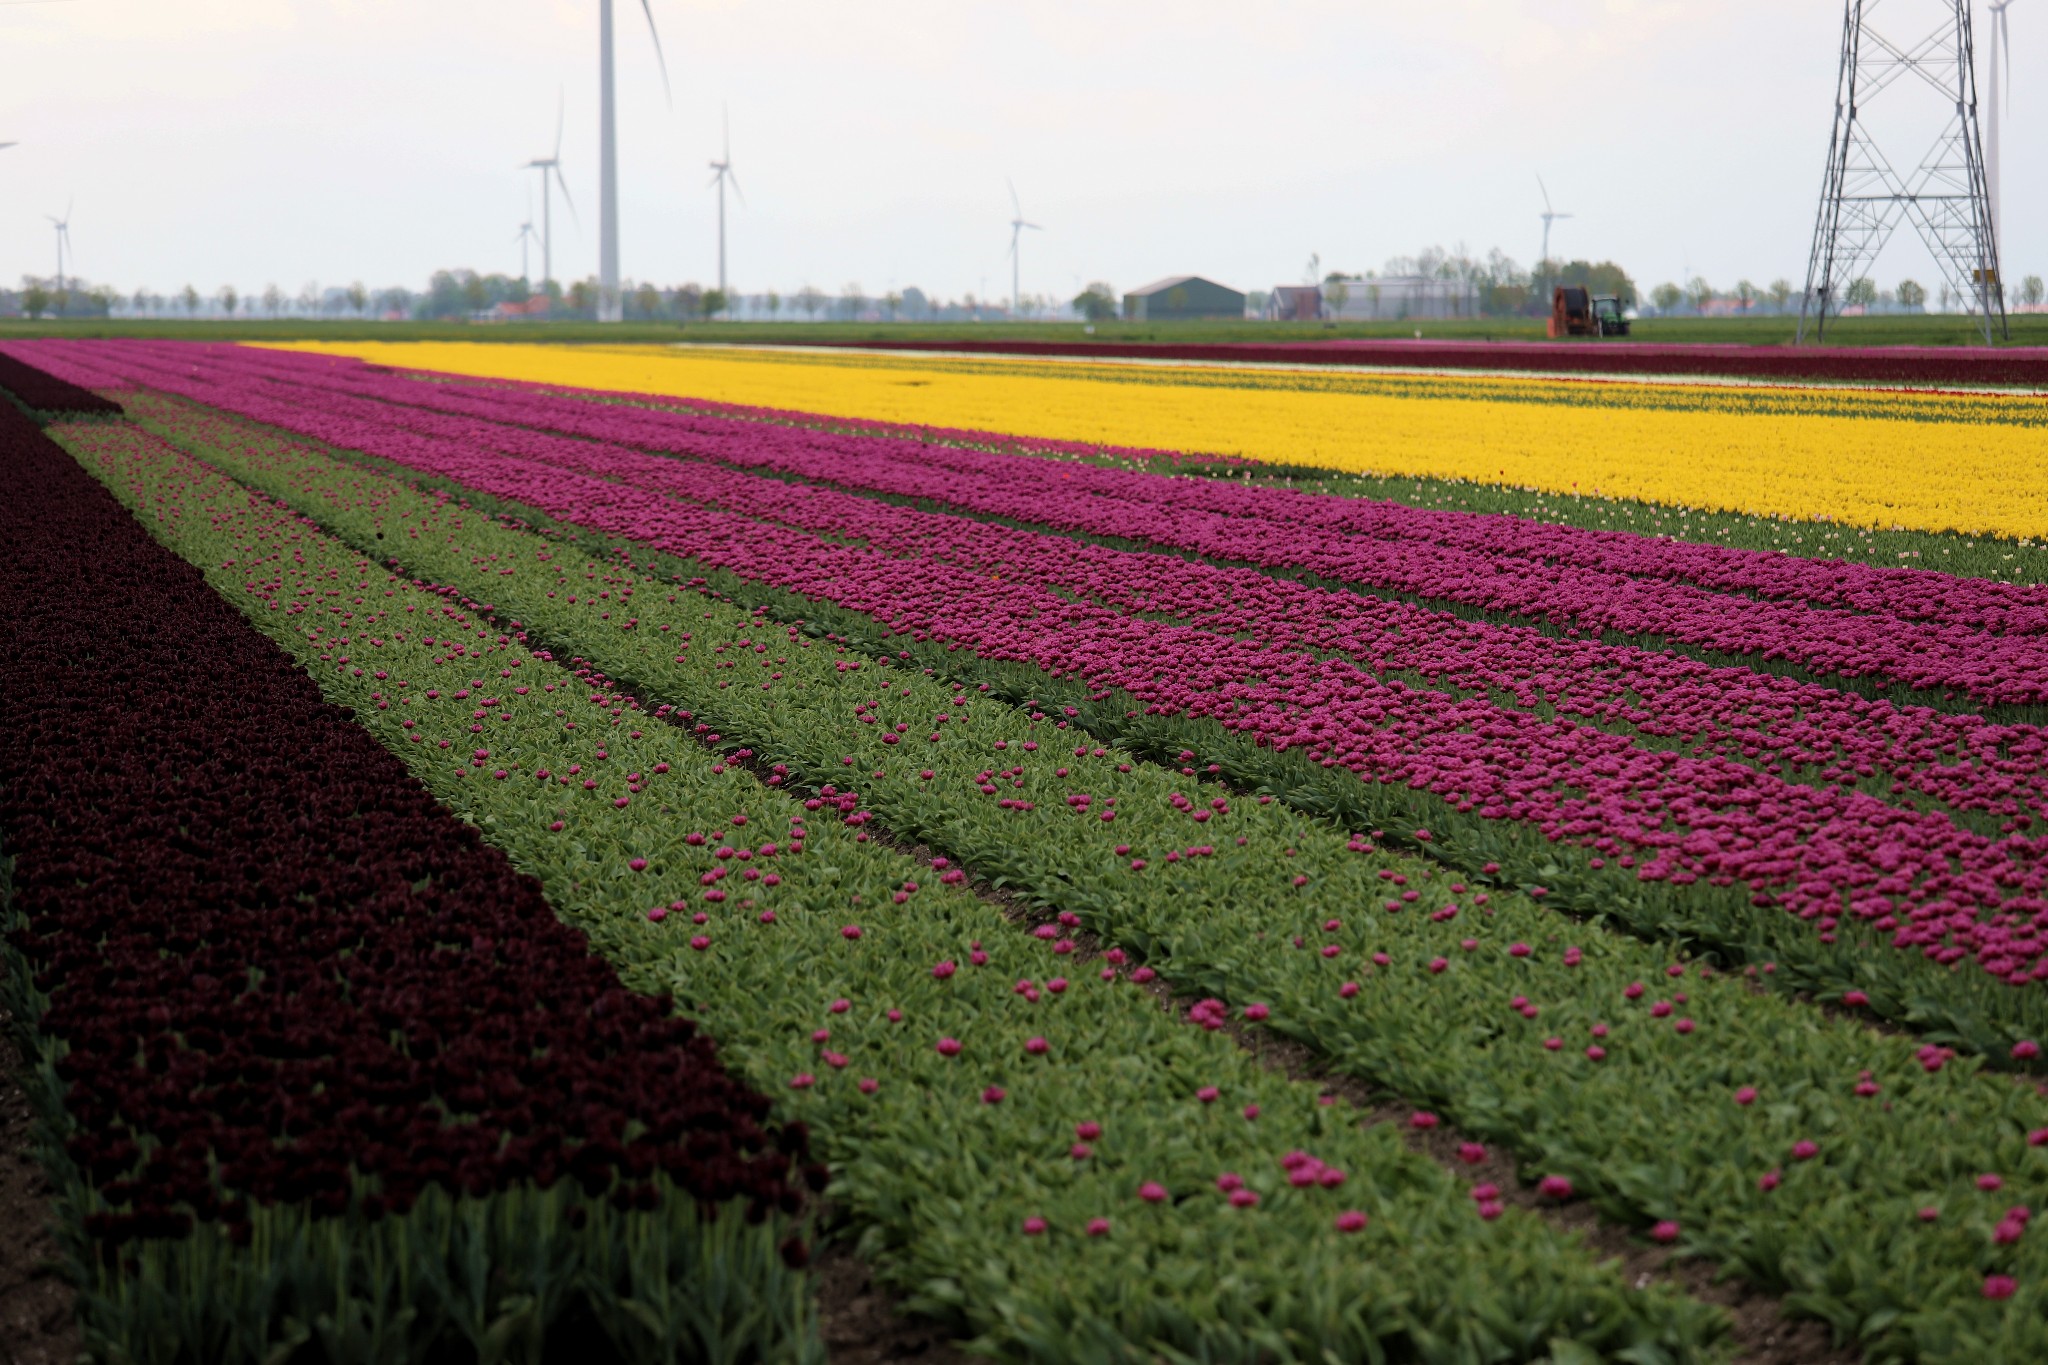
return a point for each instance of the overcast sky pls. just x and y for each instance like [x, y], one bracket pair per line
[247, 142]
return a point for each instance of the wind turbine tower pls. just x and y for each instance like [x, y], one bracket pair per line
[722, 172]
[547, 165]
[1017, 226]
[2001, 47]
[608, 302]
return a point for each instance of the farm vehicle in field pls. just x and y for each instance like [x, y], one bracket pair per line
[1576, 312]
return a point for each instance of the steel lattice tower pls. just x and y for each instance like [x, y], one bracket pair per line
[1863, 198]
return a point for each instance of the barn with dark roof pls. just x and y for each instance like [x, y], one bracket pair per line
[1178, 297]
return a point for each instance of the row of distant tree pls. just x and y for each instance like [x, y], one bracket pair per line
[47, 297]
[1781, 296]
[1497, 285]
[453, 295]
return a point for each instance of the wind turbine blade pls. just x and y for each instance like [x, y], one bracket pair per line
[1546, 193]
[1015, 207]
[725, 125]
[648, 9]
[2005, 46]
[1039, 227]
[4, 145]
[714, 178]
[735, 184]
[565, 195]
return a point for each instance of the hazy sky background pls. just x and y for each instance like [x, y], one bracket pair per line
[258, 141]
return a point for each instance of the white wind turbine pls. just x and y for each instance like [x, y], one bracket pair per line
[526, 235]
[63, 226]
[1017, 226]
[721, 173]
[608, 303]
[2001, 45]
[1549, 216]
[546, 165]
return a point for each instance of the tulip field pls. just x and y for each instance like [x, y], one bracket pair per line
[515, 853]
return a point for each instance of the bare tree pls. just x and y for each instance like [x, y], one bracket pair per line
[358, 297]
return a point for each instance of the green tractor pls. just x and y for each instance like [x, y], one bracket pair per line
[1574, 312]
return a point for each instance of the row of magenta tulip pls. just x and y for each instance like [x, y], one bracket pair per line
[1702, 845]
[1876, 630]
[1043, 1156]
[293, 1023]
[1750, 1128]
